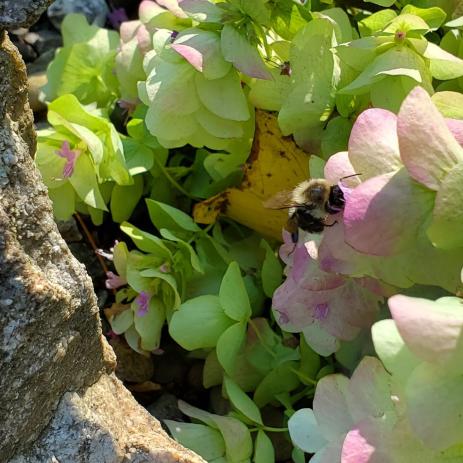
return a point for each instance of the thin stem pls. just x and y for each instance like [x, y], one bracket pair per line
[92, 243]
[303, 376]
[174, 182]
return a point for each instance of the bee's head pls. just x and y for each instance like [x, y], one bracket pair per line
[317, 194]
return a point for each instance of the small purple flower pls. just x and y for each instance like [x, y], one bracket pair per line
[114, 281]
[321, 311]
[70, 156]
[117, 17]
[143, 302]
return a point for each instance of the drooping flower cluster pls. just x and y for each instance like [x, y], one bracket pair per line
[412, 411]
[402, 212]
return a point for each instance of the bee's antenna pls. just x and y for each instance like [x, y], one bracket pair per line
[349, 176]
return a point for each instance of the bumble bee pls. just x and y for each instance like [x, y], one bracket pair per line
[309, 205]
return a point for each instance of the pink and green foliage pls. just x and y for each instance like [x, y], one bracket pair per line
[409, 408]
[402, 212]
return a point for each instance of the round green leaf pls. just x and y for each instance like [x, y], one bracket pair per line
[229, 345]
[233, 295]
[241, 401]
[199, 323]
[263, 448]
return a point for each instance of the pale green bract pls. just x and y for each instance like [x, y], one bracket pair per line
[194, 96]
[99, 162]
[84, 65]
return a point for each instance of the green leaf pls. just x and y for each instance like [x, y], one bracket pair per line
[446, 229]
[84, 65]
[223, 97]
[199, 323]
[149, 326]
[229, 345]
[245, 57]
[133, 340]
[186, 249]
[202, 50]
[450, 104]
[197, 414]
[310, 361]
[395, 62]
[212, 371]
[443, 65]
[63, 199]
[272, 272]
[238, 442]
[124, 198]
[146, 241]
[85, 183]
[241, 401]
[280, 379]
[383, 3]
[233, 295]
[288, 17]
[202, 439]
[202, 11]
[434, 16]
[313, 94]
[375, 22]
[390, 92]
[120, 254]
[263, 448]
[165, 216]
[122, 322]
[336, 136]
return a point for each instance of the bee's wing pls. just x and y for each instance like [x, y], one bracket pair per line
[282, 200]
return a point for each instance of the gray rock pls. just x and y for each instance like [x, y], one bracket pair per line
[59, 401]
[17, 13]
[96, 11]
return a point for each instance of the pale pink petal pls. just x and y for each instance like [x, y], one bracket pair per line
[370, 441]
[338, 166]
[456, 127]
[373, 143]
[356, 448]
[383, 214]
[427, 147]
[192, 55]
[128, 30]
[432, 330]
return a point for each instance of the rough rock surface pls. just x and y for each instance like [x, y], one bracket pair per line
[100, 426]
[20, 13]
[57, 400]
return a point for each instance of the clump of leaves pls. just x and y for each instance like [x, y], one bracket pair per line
[84, 65]
[80, 159]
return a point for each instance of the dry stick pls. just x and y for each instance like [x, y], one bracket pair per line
[92, 244]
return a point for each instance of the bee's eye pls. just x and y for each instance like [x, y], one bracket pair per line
[316, 194]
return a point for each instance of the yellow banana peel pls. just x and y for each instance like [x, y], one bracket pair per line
[275, 164]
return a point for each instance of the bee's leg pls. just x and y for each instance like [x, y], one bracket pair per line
[331, 224]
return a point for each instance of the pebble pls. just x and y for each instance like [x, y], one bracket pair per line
[96, 11]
